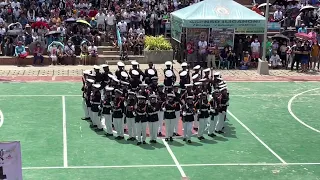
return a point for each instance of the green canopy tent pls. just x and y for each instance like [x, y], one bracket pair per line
[215, 14]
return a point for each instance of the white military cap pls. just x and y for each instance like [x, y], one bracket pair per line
[90, 80]
[184, 64]
[96, 67]
[111, 76]
[154, 78]
[171, 95]
[188, 85]
[217, 74]
[124, 83]
[87, 72]
[143, 85]
[190, 97]
[151, 72]
[168, 73]
[118, 91]
[197, 83]
[131, 93]
[203, 80]
[104, 65]
[206, 70]
[108, 88]
[96, 86]
[135, 72]
[134, 63]
[183, 73]
[153, 96]
[124, 74]
[196, 67]
[120, 64]
[168, 63]
[141, 97]
[195, 76]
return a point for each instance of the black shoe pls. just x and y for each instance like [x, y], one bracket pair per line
[92, 126]
[184, 139]
[144, 142]
[166, 139]
[174, 134]
[95, 126]
[212, 135]
[121, 137]
[98, 130]
[223, 128]
[85, 118]
[107, 134]
[189, 141]
[160, 134]
[171, 139]
[196, 129]
[220, 132]
[154, 141]
[138, 143]
[178, 134]
[118, 137]
[202, 137]
[151, 141]
[216, 131]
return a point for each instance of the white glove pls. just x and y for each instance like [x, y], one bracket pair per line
[163, 109]
[184, 113]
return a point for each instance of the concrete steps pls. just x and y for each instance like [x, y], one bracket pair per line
[114, 53]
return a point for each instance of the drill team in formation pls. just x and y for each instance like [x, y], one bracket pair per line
[134, 101]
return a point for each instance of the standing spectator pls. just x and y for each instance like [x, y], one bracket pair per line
[298, 21]
[278, 15]
[111, 19]
[255, 49]
[100, 17]
[297, 50]
[202, 45]
[305, 57]
[283, 53]
[191, 55]
[211, 58]
[314, 55]
[224, 58]
[122, 27]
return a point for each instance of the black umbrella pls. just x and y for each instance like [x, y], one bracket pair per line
[280, 36]
[53, 33]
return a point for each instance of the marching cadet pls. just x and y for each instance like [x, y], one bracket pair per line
[130, 104]
[118, 110]
[135, 81]
[183, 81]
[188, 112]
[216, 80]
[154, 84]
[196, 70]
[195, 78]
[119, 70]
[197, 93]
[214, 112]
[206, 73]
[114, 82]
[184, 67]
[150, 72]
[188, 92]
[124, 86]
[161, 99]
[169, 67]
[105, 75]
[222, 109]
[124, 76]
[169, 108]
[143, 90]
[168, 81]
[106, 112]
[203, 107]
[95, 100]
[178, 101]
[141, 119]
[85, 88]
[152, 110]
[98, 75]
[135, 66]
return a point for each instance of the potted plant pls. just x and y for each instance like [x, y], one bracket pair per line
[157, 50]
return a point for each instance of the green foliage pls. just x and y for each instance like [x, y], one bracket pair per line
[158, 43]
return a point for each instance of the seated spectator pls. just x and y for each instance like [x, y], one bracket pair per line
[84, 53]
[246, 60]
[69, 50]
[53, 50]
[278, 15]
[302, 29]
[38, 54]
[20, 53]
[140, 44]
[93, 54]
[60, 55]
[275, 60]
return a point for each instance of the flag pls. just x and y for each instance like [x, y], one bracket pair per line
[119, 37]
[10, 161]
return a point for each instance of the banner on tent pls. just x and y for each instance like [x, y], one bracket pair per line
[176, 28]
[10, 161]
[246, 30]
[222, 37]
[195, 34]
[223, 23]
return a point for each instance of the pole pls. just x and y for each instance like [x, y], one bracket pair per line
[264, 49]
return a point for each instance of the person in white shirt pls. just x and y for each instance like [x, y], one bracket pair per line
[298, 21]
[126, 17]
[275, 60]
[110, 19]
[277, 15]
[255, 50]
[100, 17]
[15, 4]
[93, 53]
[141, 30]
[203, 45]
[122, 26]
[69, 50]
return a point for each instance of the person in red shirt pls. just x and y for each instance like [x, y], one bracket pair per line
[190, 52]
[38, 54]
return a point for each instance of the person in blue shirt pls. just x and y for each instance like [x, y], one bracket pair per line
[302, 29]
[20, 53]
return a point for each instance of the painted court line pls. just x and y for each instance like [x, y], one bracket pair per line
[64, 127]
[1, 118]
[255, 136]
[171, 165]
[294, 116]
[183, 174]
[35, 95]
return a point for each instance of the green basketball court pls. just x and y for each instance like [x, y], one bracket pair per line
[272, 132]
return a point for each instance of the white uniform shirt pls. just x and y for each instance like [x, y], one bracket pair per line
[255, 46]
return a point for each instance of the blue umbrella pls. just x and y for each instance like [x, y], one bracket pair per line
[57, 43]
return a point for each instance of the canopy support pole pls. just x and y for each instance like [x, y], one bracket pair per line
[264, 48]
